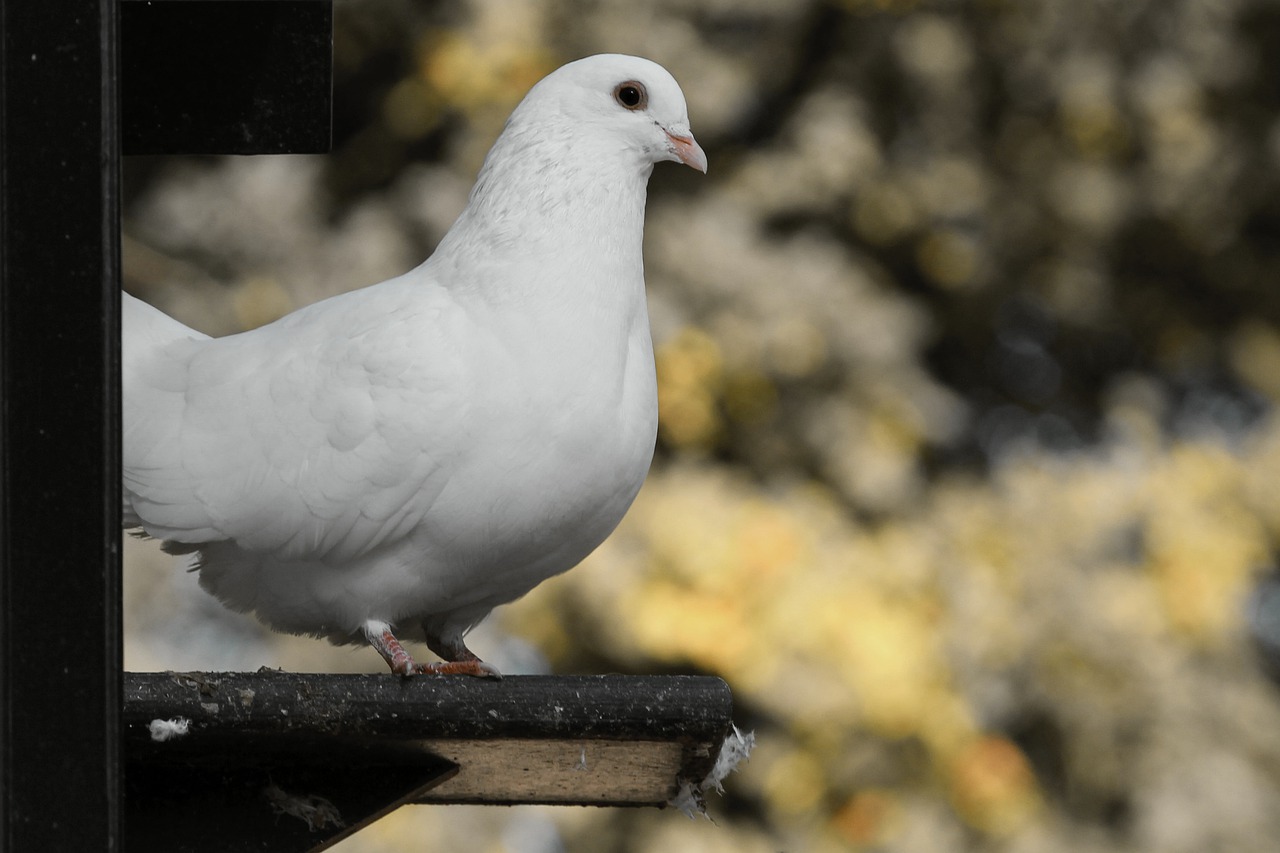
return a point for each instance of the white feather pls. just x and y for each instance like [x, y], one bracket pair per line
[422, 450]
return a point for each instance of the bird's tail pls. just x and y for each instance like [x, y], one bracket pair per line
[148, 375]
[144, 330]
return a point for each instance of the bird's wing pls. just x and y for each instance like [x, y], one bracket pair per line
[319, 437]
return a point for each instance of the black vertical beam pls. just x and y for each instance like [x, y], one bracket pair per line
[60, 646]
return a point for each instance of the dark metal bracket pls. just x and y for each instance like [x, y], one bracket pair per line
[181, 808]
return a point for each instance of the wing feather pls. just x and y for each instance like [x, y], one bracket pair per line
[309, 439]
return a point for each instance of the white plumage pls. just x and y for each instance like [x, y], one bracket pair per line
[407, 456]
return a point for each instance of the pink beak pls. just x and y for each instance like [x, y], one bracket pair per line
[689, 151]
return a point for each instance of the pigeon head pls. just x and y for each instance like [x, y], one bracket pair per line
[616, 103]
[571, 167]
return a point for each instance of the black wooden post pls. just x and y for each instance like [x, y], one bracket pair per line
[61, 123]
[60, 647]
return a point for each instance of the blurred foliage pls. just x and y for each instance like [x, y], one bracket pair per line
[968, 351]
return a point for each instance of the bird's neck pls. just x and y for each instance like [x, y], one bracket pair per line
[547, 204]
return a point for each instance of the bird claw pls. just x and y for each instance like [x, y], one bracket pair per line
[474, 668]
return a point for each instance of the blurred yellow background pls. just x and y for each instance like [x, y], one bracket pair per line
[968, 478]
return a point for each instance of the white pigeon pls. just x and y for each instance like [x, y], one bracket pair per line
[400, 459]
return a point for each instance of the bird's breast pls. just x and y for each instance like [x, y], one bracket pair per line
[562, 435]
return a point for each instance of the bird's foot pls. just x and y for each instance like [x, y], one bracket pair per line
[476, 668]
[402, 663]
[458, 657]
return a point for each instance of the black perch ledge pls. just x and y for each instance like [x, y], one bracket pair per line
[295, 762]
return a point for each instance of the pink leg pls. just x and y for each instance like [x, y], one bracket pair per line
[402, 664]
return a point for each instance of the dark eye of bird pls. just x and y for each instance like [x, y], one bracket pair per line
[631, 95]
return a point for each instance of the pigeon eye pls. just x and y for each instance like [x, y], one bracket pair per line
[631, 95]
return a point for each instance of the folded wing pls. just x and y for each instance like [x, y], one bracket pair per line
[317, 437]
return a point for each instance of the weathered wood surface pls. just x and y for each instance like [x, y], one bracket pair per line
[585, 740]
[308, 708]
